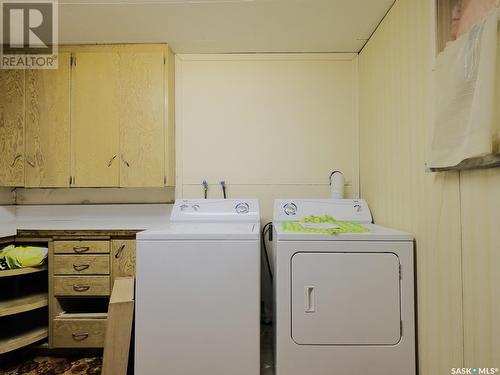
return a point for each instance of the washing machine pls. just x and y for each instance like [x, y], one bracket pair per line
[344, 303]
[198, 291]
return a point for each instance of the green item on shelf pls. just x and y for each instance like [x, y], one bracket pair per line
[23, 256]
[323, 225]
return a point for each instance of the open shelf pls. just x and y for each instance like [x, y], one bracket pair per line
[25, 328]
[22, 271]
[23, 307]
[77, 307]
[21, 339]
[24, 303]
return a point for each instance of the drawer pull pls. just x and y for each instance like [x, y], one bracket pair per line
[81, 249]
[30, 162]
[80, 336]
[119, 251]
[126, 162]
[81, 288]
[80, 267]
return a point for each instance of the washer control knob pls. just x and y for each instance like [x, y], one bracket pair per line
[242, 208]
[290, 209]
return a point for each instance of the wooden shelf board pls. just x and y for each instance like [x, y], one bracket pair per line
[23, 304]
[22, 271]
[22, 339]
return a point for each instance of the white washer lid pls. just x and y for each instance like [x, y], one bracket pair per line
[202, 231]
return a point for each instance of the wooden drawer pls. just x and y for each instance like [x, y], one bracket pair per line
[81, 264]
[81, 286]
[79, 333]
[81, 247]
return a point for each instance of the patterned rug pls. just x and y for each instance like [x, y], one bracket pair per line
[56, 366]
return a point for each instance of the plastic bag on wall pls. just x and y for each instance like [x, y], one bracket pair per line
[464, 125]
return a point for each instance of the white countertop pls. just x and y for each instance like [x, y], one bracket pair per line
[7, 230]
[83, 217]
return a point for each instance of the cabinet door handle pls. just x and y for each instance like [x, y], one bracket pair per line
[119, 251]
[81, 288]
[111, 161]
[30, 162]
[80, 336]
[81, 249]
[126, 162]
[80, 267]
[18, 156]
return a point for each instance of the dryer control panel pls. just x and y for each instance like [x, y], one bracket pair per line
[216, 210]
[355, 210]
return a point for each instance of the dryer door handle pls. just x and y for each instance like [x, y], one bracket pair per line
[310, 299]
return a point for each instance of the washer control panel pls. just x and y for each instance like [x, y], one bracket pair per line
[355, 210]
[215, 210]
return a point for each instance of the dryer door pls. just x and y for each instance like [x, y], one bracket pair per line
[346, 299]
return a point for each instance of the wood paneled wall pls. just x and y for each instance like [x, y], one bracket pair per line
[454, 216]
[480, 206]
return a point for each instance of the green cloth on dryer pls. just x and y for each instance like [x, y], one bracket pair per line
[323, 225]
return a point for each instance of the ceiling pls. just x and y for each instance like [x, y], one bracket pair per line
[224, 26]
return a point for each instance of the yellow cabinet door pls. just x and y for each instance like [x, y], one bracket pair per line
[12, 127]
[47, 162]
[122, 258]
[142, 132]
[95, 120]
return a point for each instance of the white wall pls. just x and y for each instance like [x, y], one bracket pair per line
[270, 125]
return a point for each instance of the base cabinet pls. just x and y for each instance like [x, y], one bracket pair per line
[82, 270]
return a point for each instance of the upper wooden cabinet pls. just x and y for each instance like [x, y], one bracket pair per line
[47, 161]
[12, 94]
[104, 118]
[119, 116]
[95, 119]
